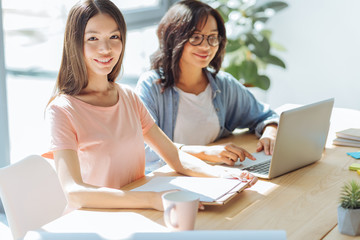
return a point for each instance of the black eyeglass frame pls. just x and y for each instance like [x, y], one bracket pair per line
[218, 37]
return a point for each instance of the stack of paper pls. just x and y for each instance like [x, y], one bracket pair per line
[348, 137]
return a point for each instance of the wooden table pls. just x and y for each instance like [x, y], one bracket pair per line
[303, 203]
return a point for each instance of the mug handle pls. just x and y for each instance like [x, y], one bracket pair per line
[167, 218]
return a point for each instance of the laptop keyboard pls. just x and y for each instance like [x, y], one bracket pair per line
[261, 168]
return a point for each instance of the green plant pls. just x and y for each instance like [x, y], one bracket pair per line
[248, 51]
[350, 195]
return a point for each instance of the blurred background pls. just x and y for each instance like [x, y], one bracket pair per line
[319, 39]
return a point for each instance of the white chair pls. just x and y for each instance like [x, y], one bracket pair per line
[31, 194]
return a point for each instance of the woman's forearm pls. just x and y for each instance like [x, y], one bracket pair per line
[92, 197]
[185, 163]
[81, 194]
[178, 160]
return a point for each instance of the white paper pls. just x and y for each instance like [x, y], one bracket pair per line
[208, 189]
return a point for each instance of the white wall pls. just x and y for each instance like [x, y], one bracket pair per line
[322, 38]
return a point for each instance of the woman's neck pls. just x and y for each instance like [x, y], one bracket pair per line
[96, 84]
[192, 81]
[99, 92]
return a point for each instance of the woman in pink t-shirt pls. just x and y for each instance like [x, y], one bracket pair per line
[98, 127]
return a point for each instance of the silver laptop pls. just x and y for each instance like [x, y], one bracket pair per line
[300, 141]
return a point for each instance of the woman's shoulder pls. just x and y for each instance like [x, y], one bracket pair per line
[228, 83]
[225, 77]
[61, 104]
[60, 101]
[150, 76]
[125, 90]
[148, 81]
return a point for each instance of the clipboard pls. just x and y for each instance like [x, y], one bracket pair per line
[211, 191]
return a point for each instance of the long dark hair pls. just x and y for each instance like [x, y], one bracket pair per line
[174, 30]
[72, 77]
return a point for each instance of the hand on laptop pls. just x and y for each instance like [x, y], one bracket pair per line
[267, 140]
[228, 154]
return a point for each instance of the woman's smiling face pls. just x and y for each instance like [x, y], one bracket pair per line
[200, 56]
[102, 45]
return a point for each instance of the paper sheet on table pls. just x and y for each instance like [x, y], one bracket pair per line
[208, 189]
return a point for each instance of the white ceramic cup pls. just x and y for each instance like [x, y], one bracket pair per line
[180, 210]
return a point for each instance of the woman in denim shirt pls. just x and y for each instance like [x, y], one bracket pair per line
[190, 99]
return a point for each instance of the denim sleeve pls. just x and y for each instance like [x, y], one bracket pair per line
[243, 110]
[146, 90]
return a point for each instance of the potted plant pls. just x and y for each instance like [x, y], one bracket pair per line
[248, 51]
[349, 209]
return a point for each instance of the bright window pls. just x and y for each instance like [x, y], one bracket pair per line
[33, 36]
[34, 33]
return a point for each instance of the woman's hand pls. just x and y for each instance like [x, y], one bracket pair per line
[241, 175]
[248, 176]
[228, 154]
[267, 140]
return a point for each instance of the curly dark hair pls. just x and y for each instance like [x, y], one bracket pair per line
[174, 30]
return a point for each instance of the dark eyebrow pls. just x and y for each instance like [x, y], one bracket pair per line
[214, 30]
[95, 32]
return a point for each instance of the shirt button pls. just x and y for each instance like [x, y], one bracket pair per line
[217, 109]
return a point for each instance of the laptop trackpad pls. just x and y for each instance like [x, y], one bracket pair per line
[260, 157]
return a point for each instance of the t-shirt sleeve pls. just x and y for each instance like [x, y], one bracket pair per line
[146, 119]
[62, 133]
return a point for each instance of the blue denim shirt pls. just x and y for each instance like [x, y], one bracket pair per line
[235, 107]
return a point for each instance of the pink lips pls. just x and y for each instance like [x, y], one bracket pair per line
[202, 55]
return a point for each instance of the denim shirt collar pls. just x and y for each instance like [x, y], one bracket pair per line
[214, 87]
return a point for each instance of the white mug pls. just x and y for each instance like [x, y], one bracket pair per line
[180, 210]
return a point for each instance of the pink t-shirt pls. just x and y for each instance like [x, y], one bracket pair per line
[109, 140]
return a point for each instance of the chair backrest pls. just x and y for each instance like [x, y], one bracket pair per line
[31, 194]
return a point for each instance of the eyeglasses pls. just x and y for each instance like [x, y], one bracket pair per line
[196, 39]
